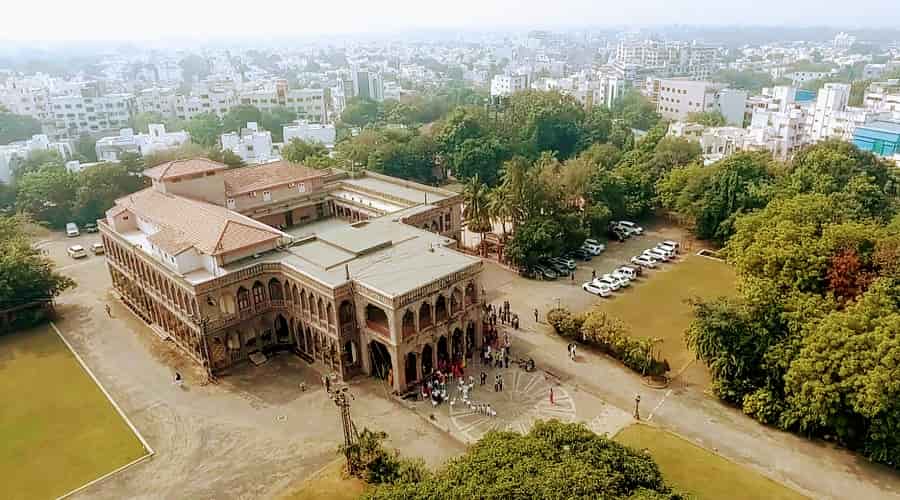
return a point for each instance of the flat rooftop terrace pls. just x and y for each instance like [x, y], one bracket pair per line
[407, 192]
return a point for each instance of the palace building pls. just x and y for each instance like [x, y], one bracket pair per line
[356, 271]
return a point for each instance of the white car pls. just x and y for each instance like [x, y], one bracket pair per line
[623, 281]
[669, 251]
[657, 254]
[72, 230]
[631, 227]
[609, 281]
[76, 252]
[672, 243]
[98, 249]
[643, 261]
[597, 289]
[593, 249]
[623, 274]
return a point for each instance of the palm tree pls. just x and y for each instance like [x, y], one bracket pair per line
[501, 206]
[515, 181]
[475, 213]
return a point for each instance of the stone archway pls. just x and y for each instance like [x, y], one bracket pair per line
[411, 368]
[380, 359]
[443, 350]
[282, 332]
[427, 360]
[457, 344]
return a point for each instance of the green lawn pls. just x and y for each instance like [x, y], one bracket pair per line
[330, 484]
[58, 431]
[702, 473]
[656, 306]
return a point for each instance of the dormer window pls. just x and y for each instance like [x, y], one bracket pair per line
[230, 202]
[253, 194]
[267, 196]
[301, 187]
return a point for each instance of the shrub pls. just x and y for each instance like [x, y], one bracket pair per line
[565, 323]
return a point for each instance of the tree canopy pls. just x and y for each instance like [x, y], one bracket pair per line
[25, 273]
[554, 460]
[15, 127]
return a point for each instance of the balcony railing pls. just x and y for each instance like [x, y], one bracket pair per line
[378, 327]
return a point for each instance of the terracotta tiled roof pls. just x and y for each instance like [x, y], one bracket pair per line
[247, 179]
[186, 223]
[178, 168]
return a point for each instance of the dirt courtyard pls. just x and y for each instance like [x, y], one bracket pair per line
[255, 434]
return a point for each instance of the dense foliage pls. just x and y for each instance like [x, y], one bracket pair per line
[812, 343]
[554, 461]
[26, 274]
[598, 329]
[15, 127]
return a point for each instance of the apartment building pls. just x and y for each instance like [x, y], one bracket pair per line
[367, 84]
[883, 97]
[19, 151]
[251, 144]
[309, 104]
[73, 115]
[324, 134]
[162, 100]
[677, 98]
[507, 85]
[363, 278]
[831, 116]
[156, 140]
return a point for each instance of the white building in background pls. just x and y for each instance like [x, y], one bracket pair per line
[162, 100]
[310, 132]
[12, 154]
[507, 85]
[798, 78]
[338, 102]
[309, 104]
[676, 98]
[392, 90]
[733, 105]
[882, 97]
[367, 84]
[716, 143]
[832, 117]
[111, 148]
[843, 41]
[205, 98]
[251, 144]
[73, 115]
[781, 133]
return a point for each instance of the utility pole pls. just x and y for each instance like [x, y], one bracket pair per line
[342, 397]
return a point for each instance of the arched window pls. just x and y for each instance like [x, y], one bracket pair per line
[440, 308]
[275, 290]
[409, 323]
[243, 299]
[425, 318]
[330, 312]
[259, 293]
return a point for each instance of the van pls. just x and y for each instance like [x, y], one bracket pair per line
[672, 243]
[72, 230]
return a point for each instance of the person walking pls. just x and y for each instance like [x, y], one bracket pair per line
[552, 402]
[500, 381]
[593, 274]
[178, 379]
[536, 316]
[497, 383]
[574, 348]
[505, 357]
[108, 311]
[483, 378]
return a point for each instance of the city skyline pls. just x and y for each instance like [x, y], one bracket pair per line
[98, 20]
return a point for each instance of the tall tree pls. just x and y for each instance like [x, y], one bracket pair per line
[205, 129]
[15, 127]
[25, 273]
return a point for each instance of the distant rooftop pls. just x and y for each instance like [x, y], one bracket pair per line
[178, 168]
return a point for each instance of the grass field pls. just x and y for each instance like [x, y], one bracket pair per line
[656, 306]
[329, 484]
[58, 431]
[702, 473]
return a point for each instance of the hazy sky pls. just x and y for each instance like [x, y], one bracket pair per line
[155, 19]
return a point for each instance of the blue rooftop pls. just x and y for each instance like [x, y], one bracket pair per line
[882, 126]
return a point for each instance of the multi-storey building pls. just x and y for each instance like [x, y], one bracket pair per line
[251, 144]
[73, 115]
[676, 98]
[507, 85]
[363, 277]
[324, 134]
[155, 140]
[883, 97]
[162, 100]
[12, 154]
[309, 104]
[367, 84]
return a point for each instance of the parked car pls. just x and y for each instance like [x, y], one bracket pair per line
[593, 249]
[72, 230]
[624, 273]
[98, 249]
[623, 281]
[527, 272]
[616, 233]
[631, 227]
[635, 271]
[643, 261]
[569, 263]
[558, 268]
[669, 251]
[545, 273]
[673, 243]
[580, 254]
[613, 283]
[657, 254]
[76, 252]
[597, 289]
[91, 228]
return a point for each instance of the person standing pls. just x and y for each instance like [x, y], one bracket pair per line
[536, 316]
[552, 402]
[500, 381]
[574, 348]
[108, 311]
[483, 378]
[593, 274]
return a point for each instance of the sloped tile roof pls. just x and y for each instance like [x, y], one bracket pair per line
[247, 179]
[178, 168]
[186, 223]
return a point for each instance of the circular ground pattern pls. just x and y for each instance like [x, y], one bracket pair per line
[525, 399]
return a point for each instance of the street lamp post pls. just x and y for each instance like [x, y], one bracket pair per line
[637, 404]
